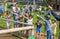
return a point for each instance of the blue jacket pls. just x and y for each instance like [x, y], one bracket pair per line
[47, 27]
[55, 15]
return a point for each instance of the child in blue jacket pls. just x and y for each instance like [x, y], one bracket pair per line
[47, 27]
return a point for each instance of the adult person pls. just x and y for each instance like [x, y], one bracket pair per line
[47, 26]
[57, 16]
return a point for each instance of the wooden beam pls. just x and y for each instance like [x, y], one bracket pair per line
[15, 29]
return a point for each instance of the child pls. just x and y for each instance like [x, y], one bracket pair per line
[47, 27]
[38, 28]
[20, 20]
[15, 16]
[8, 16]
[26, 15]
[53, 26]
[29, 20]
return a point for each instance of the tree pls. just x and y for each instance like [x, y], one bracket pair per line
[51, 2]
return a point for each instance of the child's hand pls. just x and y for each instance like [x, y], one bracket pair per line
[49, 7]
[38, 15]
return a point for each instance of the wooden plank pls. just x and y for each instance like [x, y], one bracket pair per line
[16, 29]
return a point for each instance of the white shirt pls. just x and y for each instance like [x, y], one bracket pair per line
[40, 9]
[30, 21]
[13, 8]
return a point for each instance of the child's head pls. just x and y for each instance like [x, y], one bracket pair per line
[30, 16]
[26, 14]
[21, 16]
[53, 20]
[7, 12]
[38, 21]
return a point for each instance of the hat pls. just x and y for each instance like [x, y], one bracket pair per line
[47, 16]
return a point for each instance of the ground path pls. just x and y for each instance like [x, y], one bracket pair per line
[44, 36]
[6, 36]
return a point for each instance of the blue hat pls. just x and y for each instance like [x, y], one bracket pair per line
[38, 17]
[47, 16]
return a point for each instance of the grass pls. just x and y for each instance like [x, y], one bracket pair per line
[2, 23]
[21, 5]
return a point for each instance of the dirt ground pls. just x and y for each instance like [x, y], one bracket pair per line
[44, 36]
[7, 36]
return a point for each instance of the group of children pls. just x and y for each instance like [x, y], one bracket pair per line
[18, 16]
[50, 25]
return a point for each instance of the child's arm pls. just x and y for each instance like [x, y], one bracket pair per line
[55, 15]
[42, 18]
[24, 16]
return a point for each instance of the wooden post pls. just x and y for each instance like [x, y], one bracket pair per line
[5, 6]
